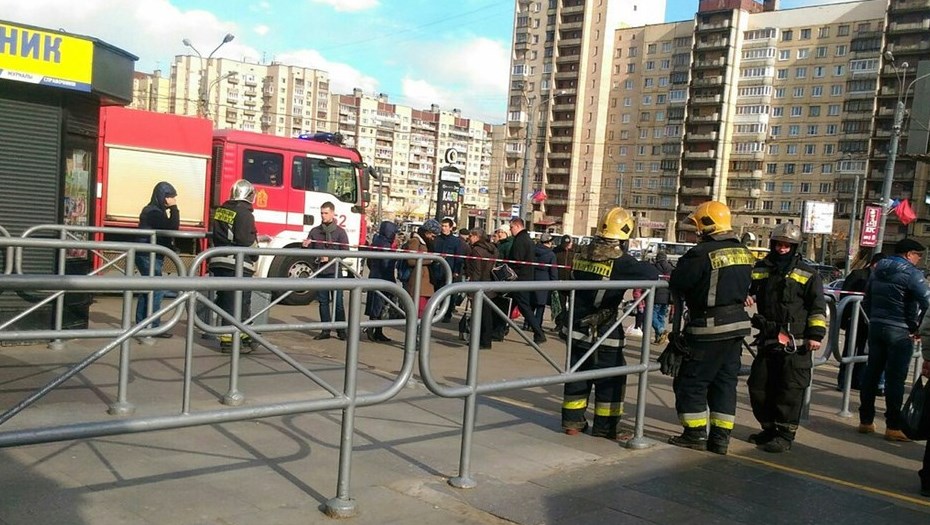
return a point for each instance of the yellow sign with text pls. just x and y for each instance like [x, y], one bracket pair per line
[41, 57]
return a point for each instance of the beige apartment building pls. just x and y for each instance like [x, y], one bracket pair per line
[560, 83]
[408, 147]
[277, 99]
[151, 92]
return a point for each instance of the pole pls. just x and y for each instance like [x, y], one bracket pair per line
[525, 212]
[852, 225]
[889, 171]
[380, 197]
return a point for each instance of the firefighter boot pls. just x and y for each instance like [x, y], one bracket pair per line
[718, 441]
[761, 438]
[693, 438]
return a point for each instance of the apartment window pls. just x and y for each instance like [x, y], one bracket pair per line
[663, 81]
[819, 72]
[798, 92]
[824, 32]
[770, 186]
[836, 90]
[805, 34]
[831, 129]
[778, 111]
[773, 149]
[665, 63]
[785, 206]
[841, 50]
[787, 35]
[650, 65]
[869, 65]
[804, 53]
[648, 82]
[651, 49]
[794, 130]
[683, 41]
[625, 118]
[661, 99]
[812, 129]
[813, 111]
[817, 91]
[624, 134]
[627, 102]
[806, 168]
[660, 117]
[767, 205]
[677, 95]
[779, 92]
[825, 187]
[800, 72]
[810, 149]
[666, 47]
[829, 149]
[644, 133]
[782, 74]
[628, 83]
[644, 116]
[776, 131]
[788, 187]
[842, 30]
[796, 111]
[631, 68]
[631, 52]
[791, 149]
[784, 54]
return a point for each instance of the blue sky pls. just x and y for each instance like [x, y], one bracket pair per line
[418, 52]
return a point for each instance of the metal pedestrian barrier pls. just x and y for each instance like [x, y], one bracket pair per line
[562, 373]
[191, 291]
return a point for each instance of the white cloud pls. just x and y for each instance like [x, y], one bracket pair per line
[343, 77]
[349, 5]
[260, 7]
[261, 29]
[421, 94]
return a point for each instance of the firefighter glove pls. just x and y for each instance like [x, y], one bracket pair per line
[597, 318]
[674, 354]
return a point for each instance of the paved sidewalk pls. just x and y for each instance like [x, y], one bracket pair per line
[280, 470]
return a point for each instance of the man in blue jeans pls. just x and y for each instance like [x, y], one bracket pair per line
[896, 299]
[329, 236]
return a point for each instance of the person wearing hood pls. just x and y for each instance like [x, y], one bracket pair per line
[479, 269]
[896, 301]
[545, 270]
[380, 269]
[161, 213]
[792, 321]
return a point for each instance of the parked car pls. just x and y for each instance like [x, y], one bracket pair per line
[834, 288]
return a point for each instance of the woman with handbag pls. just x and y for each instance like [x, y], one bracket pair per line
[380, 269]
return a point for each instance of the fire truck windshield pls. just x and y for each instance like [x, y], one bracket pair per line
[339, 179]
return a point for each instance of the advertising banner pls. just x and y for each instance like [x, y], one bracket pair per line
[870, 223]
[39, 57]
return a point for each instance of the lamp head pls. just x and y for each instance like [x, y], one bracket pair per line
[187, 42]
[889, 56]
[228, 38]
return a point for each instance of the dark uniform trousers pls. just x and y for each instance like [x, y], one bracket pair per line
[776, 389]
[226, 299]
[608, 392]
[707, 379]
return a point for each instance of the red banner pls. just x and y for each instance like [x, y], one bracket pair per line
[870, 223]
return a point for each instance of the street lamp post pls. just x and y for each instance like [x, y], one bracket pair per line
[525, 211]
[893, 146]
[202, 88]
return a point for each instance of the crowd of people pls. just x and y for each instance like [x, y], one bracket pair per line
[716, 282]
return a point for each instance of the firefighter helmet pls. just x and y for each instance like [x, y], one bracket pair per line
[242, 190]
[787, 232]
[711, 217]
[617, 224]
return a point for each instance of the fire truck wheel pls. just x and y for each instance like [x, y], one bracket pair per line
[296, 268]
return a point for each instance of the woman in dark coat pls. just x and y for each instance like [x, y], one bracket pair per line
[380, 269]
[545, 270]
[479, 269]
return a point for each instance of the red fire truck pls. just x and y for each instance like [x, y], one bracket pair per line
[293, 177]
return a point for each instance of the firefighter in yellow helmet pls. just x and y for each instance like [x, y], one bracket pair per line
[596, 311]
[713, 279]
[792, 321]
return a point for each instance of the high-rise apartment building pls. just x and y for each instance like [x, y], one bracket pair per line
[151, 92]
[408, 147]
[277, 99]
[557, 108]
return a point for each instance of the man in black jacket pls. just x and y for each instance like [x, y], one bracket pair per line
[792, 321]
[329, 236]
[856, 282]
[522, 250]
[713, 278]
[605, 259]
[161, 213]
[234, 225]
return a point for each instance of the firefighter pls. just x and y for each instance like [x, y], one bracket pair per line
[791, 319]
[234, 225]
[606, 258]
[713, 280]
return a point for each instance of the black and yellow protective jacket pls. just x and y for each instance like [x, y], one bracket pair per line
[604, 261]
[234, 225]
[714, 278]
[793, 298]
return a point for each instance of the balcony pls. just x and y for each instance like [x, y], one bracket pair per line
[706, 118]
[910, 5]
[708, 81]
[702, 64]
[713, 44]
[703, 101]
[901, 27]
[916, 47]
[709, 172]
[694, 137]
[700, 190]
[754, 155]
[753, 193]
[719, 26]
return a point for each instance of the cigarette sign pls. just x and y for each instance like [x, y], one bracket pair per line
[869, 236]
